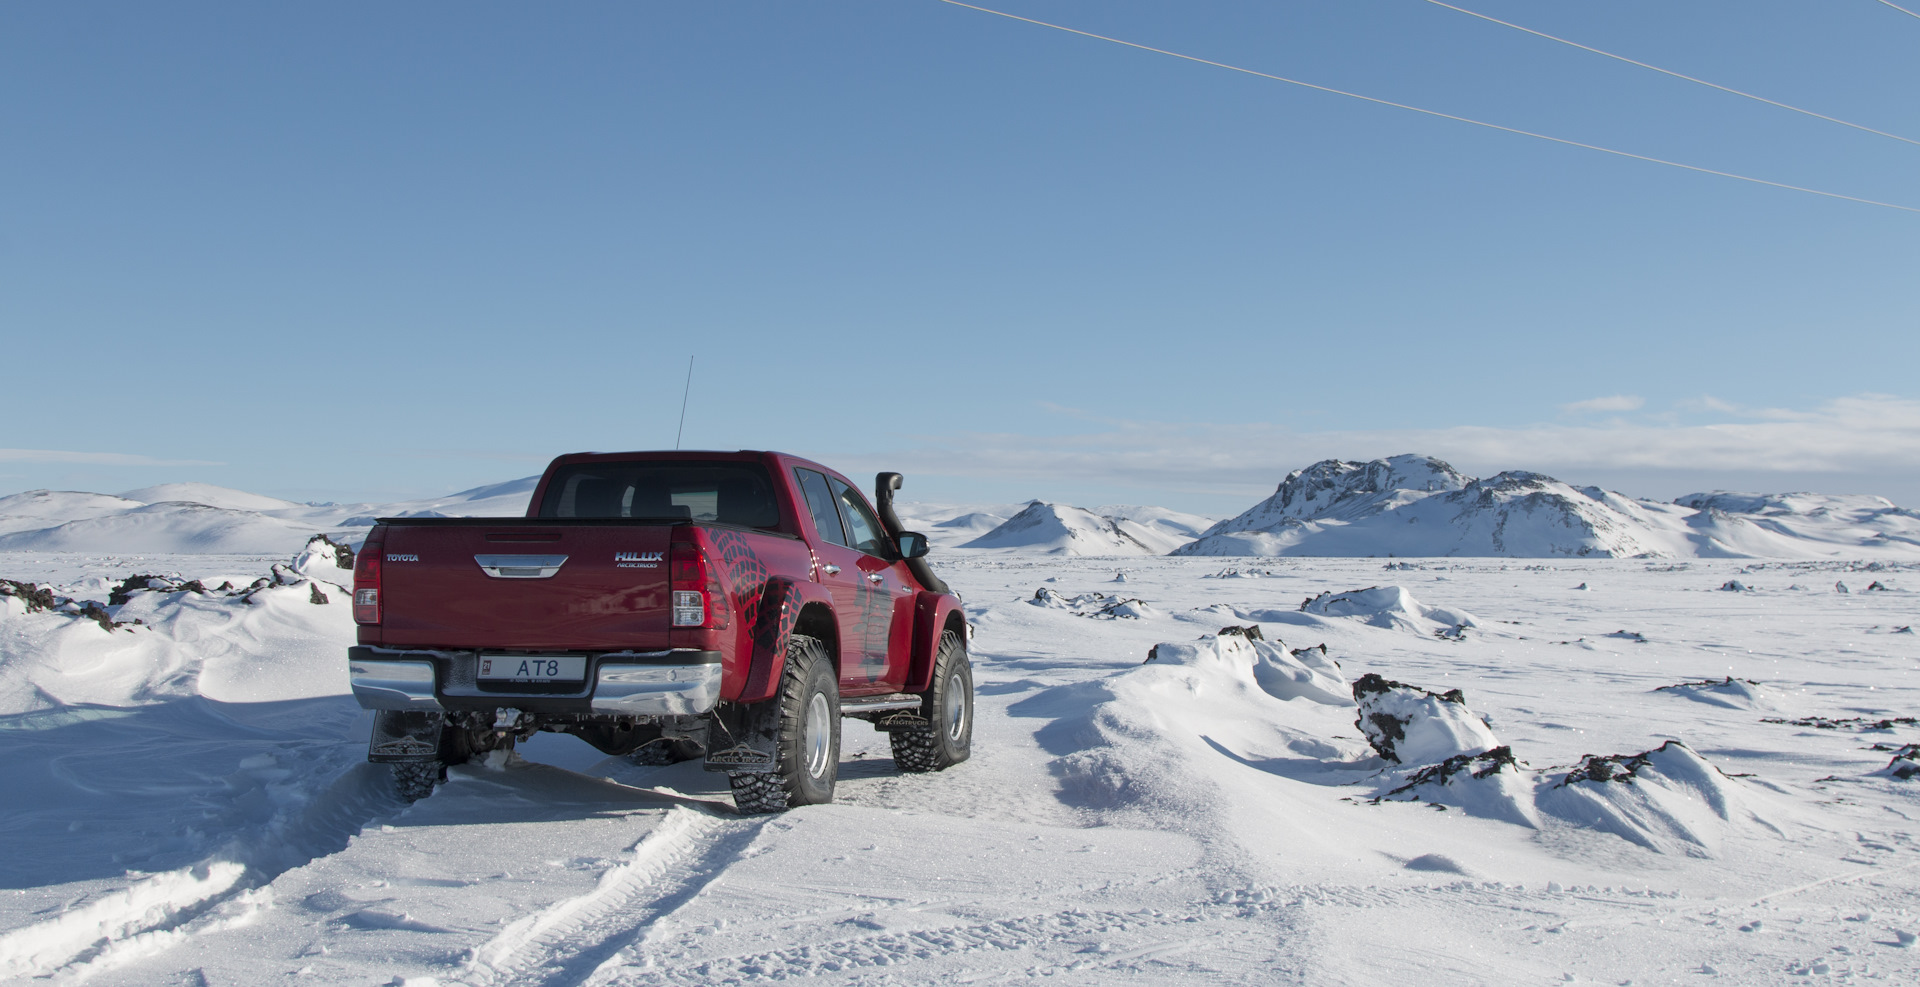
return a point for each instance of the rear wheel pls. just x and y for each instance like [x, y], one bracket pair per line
[804, 721]
[414, 780]
[944, 738]
[459, 742]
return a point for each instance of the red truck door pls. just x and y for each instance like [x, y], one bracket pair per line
[889, 591]
[852, 552]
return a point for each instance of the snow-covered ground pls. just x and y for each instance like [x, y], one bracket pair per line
[188, 802]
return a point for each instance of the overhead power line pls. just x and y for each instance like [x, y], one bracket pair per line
[1901, 9]
[1437, 113]
[1677, 75]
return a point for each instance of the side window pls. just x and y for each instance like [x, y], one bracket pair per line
[862, 529]
[820, 504]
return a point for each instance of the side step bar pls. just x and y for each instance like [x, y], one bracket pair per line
[895, 711]
[878, 704]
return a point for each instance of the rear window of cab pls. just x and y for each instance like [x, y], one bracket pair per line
[739, 494]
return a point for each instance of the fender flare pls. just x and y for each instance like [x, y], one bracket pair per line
[931, 614]
[780, 604]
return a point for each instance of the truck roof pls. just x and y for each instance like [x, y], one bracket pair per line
[773, 460]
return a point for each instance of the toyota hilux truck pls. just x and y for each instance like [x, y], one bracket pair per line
[730, 606]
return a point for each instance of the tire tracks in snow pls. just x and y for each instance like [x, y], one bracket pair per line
[1066, 931]
[1077, 937]
[227, 890]
[567, 942]
[144, 918]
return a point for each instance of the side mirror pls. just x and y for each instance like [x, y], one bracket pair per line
[913, 544]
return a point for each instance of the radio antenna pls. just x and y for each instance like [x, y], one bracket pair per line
[683, 404]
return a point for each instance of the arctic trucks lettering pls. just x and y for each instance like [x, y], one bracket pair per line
[665, 605]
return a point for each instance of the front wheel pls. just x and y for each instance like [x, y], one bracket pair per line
[804, 720]
[944, 738]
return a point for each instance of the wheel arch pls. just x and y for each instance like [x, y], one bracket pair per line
[934, 614]
[817, 621]
[787, 608]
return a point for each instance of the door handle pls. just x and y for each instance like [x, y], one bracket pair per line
[874, 577]
[830, 569]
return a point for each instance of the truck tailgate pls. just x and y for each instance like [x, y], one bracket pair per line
[609, 593]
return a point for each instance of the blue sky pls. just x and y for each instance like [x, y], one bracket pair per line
[367, 251]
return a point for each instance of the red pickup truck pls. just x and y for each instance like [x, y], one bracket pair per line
[665, 605]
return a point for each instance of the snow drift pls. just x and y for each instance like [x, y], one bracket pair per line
[1163, 742]
[1097, 605]
[1730, 693]
[1668, 800]
[1391, 607]
[274, 637]
[1306, 673]
[1160, 742]
[1410, 725]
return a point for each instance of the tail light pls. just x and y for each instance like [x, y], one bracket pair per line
[366, 577]
[697, 599]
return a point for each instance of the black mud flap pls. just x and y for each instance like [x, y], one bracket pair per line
[740, 757]
[909, 720]
[405, 735]
[744, 738]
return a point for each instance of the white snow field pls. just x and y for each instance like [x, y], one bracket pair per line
[1604, 771]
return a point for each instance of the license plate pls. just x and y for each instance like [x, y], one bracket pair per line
[532, 668]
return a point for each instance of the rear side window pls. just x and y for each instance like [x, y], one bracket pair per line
[826, 519]
[863, 530]
[717, 493]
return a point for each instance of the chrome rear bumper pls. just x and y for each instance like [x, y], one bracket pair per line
[619, 683]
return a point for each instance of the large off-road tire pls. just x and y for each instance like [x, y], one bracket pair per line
[804, 723]
[946, 737]
[414, 780]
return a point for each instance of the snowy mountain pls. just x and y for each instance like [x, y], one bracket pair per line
[1333, 490]
[947, 525]
[1176, 524]
[507, 499]
[1417, 506]
[210, 495]
[1407, 506]
[45, 508]
[1801, 524]
[192, 518]
[167, 527]
[1058, 529]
